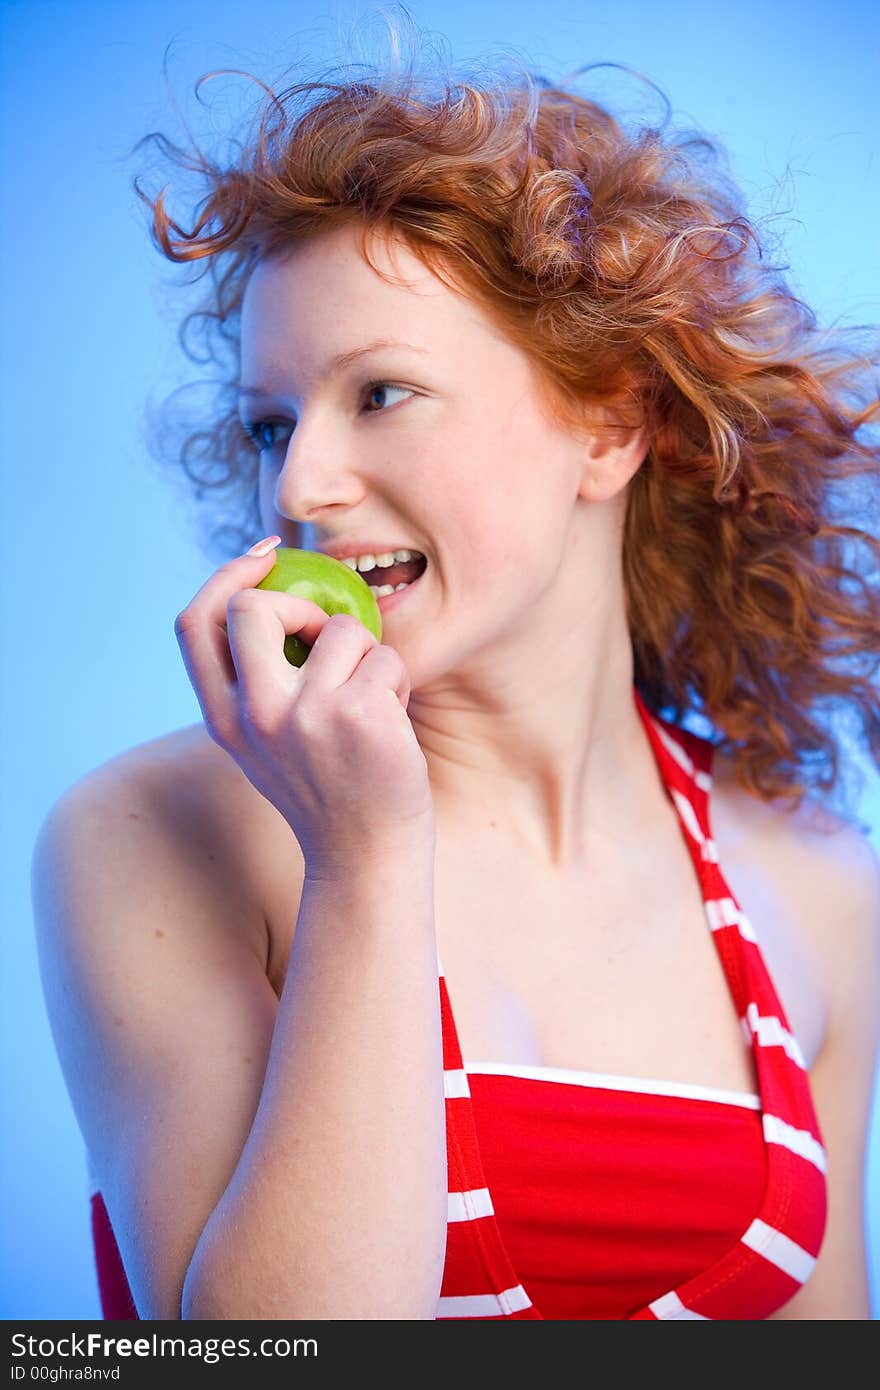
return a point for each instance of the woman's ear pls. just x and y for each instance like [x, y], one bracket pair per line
[613, 453]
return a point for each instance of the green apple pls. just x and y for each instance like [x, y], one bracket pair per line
[329, 583]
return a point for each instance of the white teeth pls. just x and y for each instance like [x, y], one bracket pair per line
[383, 561]
[381, 589]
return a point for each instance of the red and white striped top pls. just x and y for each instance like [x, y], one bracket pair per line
[609, 1190]
[774, 1254]
[752, 1268]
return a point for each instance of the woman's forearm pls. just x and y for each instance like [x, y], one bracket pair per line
[337, 1207]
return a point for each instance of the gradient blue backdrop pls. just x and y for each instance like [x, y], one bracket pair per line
[100, 550]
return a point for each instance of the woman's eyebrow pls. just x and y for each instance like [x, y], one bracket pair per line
[342, 360]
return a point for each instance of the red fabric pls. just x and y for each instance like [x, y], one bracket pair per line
[117, 1303]
[604, 1198]
[574, 1202]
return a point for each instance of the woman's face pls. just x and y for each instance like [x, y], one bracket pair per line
[440, 444]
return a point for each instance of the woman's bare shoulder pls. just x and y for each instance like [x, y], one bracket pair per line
[809, 829]
[752, 813]
[186, 770]
[819, 863]
[189, 750]
[214, 811]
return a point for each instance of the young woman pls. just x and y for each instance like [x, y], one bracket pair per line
[455, 975]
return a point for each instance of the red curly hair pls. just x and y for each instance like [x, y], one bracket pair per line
[623, 263]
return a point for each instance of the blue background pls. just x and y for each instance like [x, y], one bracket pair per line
[98, 541]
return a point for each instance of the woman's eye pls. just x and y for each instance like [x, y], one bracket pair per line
[378, 387]
[264, 441]
[254, 432]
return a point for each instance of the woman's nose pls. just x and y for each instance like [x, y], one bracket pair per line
[315, 475]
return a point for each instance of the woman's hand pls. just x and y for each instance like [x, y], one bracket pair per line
[329, 743]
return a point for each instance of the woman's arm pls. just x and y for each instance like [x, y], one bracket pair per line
[257, 1159]
[338, 1207]
[843, 1076]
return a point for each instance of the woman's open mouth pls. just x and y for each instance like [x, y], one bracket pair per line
[389, 584]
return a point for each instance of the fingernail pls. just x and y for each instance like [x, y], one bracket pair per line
[263, 547]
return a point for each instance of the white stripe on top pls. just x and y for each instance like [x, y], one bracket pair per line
[675, 749]
[723, 912]
[455, 1084]
[638, 1084]
[678, 752]
[769, 1032]
[471, 1205]
[799, 1141]
[484, 1305]
[786, 1254]
[670, 1306]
